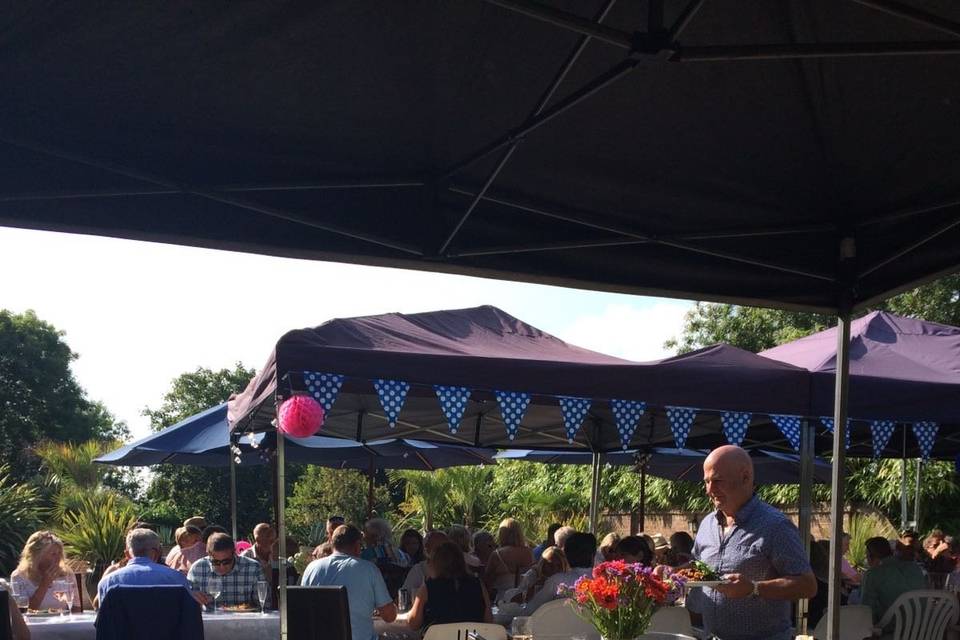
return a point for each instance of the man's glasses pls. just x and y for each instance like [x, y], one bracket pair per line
[226, 562]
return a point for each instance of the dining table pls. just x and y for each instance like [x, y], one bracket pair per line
[216, 626]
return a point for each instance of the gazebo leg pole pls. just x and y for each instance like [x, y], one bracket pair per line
[233, 495]
[838, 472]
[642, 520]
[281, 529]
[594, 493]
[805, 509]
[916, 497]
[371, 472]
[904, 501]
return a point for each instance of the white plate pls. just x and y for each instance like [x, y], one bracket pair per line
[704, 583]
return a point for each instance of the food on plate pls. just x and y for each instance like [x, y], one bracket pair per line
[698, 572]
[240, 608]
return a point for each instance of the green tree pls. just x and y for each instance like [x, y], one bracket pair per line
[321, 492]
[20, 515]
[466, 488]
[40, 397]
[177, 492]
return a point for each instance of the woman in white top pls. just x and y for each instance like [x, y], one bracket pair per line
[552, 561]
[41, 566]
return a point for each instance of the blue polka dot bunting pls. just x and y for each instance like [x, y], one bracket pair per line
[735, 425]
[881, 431]
[453, 403]
[574, 410]
[790, 427]
[627, 415]
[392, 393]
[324, 387]
[681, 421]
[513, 404]
[926, 435]
[828, 423]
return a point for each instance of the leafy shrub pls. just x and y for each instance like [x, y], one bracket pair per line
[20, 515]
[96, 531]
[862, 528]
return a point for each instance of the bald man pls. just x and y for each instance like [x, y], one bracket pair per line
[757, 550]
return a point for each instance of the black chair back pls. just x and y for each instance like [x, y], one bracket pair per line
[318, 612]
[149, 613]
[6, 633]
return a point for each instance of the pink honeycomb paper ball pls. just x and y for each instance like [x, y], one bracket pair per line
[301, 416]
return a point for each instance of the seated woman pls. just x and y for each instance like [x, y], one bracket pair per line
[607, 549]
[41, 567]
[411, 543]
[681, 549]
[451, 595]
[552, 561]
[378, 544]
[510, 560]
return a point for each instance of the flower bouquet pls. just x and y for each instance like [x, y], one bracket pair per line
[619, 599]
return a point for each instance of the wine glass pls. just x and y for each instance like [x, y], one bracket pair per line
[20, 597]
[262, 589]
[60, 589]
[215, 587]
[68, 596]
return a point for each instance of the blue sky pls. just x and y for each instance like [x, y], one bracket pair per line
[139, 314]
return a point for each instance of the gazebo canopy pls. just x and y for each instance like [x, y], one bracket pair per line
[800, 153]
[901, 369]
[486, 350]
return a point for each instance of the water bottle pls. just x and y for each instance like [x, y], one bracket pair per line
[403, 599]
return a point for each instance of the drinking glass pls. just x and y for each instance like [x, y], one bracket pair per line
[68, 597]
[215, 587]
[60, 590]
[20, 597]
[262, 589]
[520, 628]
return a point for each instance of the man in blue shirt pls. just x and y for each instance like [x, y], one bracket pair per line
[366, 590]
[144, 567]
[755, 548]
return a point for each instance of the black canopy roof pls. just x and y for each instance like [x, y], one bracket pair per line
[715, 150]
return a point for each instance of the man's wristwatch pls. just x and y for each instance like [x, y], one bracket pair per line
[756, 589]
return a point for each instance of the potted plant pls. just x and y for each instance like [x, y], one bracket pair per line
[619, 599]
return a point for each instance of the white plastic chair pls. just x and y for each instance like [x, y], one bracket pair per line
[671, 620]
[856, 623]
[557, 619]
[459, 630]
[922, 615]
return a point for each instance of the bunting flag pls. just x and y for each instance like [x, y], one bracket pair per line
[513, 404]
[392, 393]
[790, 427]
[828, 423]
[735, 425]
[926, 434]
[324, 387]
[881, 430]
[453, 403]
[627, 414]
[574, 410]
[681, 420]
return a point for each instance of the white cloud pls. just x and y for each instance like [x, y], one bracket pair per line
[635, 333]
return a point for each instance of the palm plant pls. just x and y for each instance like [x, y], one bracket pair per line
[96, 531]
[466, 487]
[20, 515]
[425, 492]
[69, 464]
[862, 528]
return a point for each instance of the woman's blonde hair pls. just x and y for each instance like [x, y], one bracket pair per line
[509, 534]
[552, 555]
[36, 544]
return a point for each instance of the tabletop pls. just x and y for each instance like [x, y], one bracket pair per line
[216, 626]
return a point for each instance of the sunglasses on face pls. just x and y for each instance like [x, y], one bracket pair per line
[226, 562]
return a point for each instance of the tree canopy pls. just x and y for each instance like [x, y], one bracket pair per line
[39, 396]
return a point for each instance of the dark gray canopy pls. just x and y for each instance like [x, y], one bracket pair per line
[728, 149]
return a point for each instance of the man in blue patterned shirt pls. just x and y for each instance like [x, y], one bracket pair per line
[238, 575]
[757, 550]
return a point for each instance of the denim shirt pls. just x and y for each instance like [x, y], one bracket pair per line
[762, 545]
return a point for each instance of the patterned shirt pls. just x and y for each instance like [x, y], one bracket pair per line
[239, 585]
[762, 545]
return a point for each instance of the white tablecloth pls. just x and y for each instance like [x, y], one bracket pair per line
[221, 626]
